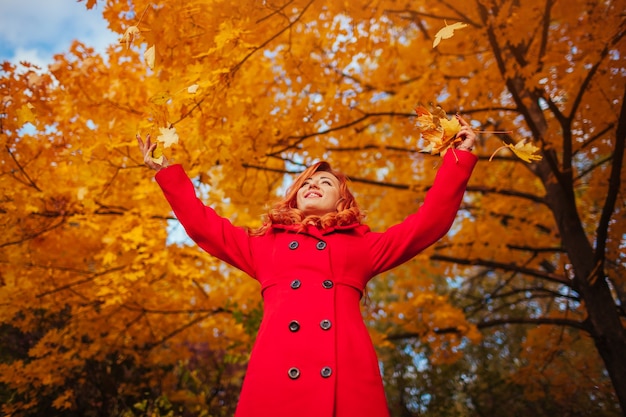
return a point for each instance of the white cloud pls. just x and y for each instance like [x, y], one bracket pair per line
[35, 30]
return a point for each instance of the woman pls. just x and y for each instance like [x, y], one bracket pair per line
[313, 257]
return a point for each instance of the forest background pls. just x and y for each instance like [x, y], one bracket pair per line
[107, 310]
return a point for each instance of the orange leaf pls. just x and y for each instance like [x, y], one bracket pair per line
[25, 114]
[523, 149]
[436, 129]
[131, 33]
[447, 32]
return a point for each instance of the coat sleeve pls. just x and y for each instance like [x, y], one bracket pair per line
[211, 232]
[431, 222]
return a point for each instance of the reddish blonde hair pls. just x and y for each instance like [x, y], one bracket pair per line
[285, 211]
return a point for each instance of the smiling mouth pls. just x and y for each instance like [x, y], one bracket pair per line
[312, 194]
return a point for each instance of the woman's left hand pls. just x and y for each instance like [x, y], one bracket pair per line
[467, 135]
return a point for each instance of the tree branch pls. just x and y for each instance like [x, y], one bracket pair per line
[602, 230]
[559, 279]
[187, 325]
[497, 322]
[301, 138]
[21, 169]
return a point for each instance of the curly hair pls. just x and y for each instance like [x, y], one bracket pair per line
[285, 211]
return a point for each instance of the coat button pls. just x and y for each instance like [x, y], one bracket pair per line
[328, 284]
[293, 245]
[295, 284]
[321, 245]
[326, 371]
[294, 326]
[294, 373]
[325, 324]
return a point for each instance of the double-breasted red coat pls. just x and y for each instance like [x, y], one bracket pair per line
[313, 356]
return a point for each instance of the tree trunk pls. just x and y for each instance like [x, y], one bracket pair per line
[589, 281]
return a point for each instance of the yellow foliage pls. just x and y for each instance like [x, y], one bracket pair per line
[94, 269]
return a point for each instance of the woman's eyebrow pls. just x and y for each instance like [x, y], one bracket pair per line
[328, 178]
[322, 178]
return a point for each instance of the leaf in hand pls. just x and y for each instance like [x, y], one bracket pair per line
[523, 149]
[447, 32]
[157, 155]
[436, 129]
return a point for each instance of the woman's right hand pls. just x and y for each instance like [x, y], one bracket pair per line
[146, 149]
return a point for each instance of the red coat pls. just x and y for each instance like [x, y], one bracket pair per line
[313, 356]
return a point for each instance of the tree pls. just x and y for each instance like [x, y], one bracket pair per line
[255, 90]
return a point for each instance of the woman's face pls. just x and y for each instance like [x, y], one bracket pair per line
[319, 194]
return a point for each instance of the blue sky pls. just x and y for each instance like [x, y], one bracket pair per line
[35, 30]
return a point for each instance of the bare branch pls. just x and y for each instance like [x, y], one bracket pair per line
[498, 322]
[22, 170]
[602, 230]
[559, 279]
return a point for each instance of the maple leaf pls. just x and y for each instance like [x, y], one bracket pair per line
[436, 129]
[447, 32]
[25, 114]
[168, 136]
[149, 57]
[523, 149]
[90, 3]
[160, 98]
[192, 89]
[129, 35]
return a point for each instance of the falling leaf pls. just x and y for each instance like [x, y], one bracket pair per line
[437, 130]
[168, 136]
[160, 98]
[447, 32]
[25, 114]
[523, 149]
[81, 193]
[90, 3]
[131, 33]
[149, 57]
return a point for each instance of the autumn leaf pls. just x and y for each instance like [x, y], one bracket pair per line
[157, 155]
[129, 35]
[25, 114]
[160, 98]
[168, 136]
[192, 89]
[523, 149]
[90, 3]
[149, 57]
[447, 32]
[436, 129]
[64, 401]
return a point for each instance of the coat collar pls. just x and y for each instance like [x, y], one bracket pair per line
[360, 229]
